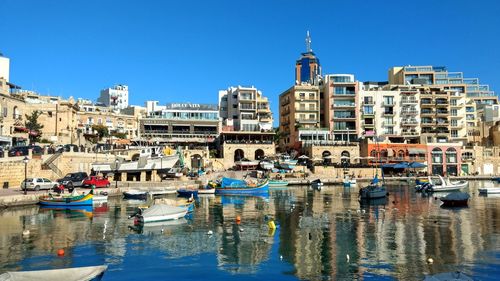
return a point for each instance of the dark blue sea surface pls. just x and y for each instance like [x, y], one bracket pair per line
[321, 235]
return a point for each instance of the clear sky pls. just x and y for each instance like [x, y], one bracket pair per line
[180, 51]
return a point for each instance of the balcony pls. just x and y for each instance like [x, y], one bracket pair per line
[442, 112]
[388, 124]
[368, 114]
[409, 112]
[409, 133]
[368, 125]
[388, 103]
[368, 102]
[307, 121]
[343, 105]
[426, 104]
[409, 122]
[427, 113]
[388, 113]
[409, 101]
[343, 94]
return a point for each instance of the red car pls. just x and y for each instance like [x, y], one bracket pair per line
[96, 182]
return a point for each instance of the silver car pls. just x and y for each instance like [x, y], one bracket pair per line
[38, 184]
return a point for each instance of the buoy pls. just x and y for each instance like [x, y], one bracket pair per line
[210, 232]
[347, 257]
[26, 232]
[281, 257]
[241, 229]
[430, 260]
[238, 218]
[435, 198]
[60, 252]
[162, 230]
[271, 225]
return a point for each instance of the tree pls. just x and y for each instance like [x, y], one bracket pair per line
[119, 135]
[34, 128]
[102, 131]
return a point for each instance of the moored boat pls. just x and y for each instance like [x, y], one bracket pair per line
[62, 201]
[489, 190]
[240, 187]
[67, 274]
[187, 193]
[317, 184]
[444, 185]
[159, 212]
[348, 182]
[277, 183]
[455, 199]
[373, 191]
[266, 165]
[135, 194]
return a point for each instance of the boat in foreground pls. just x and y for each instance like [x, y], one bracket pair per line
[135, 194]
[159, 212]
[62, 201]
[66, 274]
[373, 190]
[240, 187]
[489, 190]
[455, 199]
[187, 193]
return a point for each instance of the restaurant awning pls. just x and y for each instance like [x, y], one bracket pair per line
[416, 151]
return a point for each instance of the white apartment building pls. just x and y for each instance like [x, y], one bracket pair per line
[245, 109]
[116, 97]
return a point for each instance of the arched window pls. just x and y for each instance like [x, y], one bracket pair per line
[345, 157]
[238, 154]
[437, 155]
[451, 155]
[401, 154]
[374, 154]
[259, 154]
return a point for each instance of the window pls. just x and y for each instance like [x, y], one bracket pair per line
[302, 117]
[368, 100]
[49, 113]
[311, 96]
[312, 116]
[388, 100]
[302, 106]
[454, 112]
[302, 96]
[453, 102]
[454, 133]
[454, 123]
[388, 121]
[368, 109]
[389, 131]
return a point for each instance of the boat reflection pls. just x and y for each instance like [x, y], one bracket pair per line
[241, 200]
[160, 227]
[68, 211]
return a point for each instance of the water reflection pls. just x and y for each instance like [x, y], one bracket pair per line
[317, 230]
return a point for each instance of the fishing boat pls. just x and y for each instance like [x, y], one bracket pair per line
[78, 200]
[246, 164]
[66, 274]
[455, 199]
[489, 190]
[266, 165]
[152, 228]
[240, 187]
[317, 184]
[277, 183]
[187, 193]
[374, 190]
[135, 194]
[159, 212]
[208, 189]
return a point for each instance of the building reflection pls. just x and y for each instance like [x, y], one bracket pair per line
[317, 232]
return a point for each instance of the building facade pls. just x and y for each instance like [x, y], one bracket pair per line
[245, 109]
[181, 123]
[4, 68]
[307, 67]
[115, 97]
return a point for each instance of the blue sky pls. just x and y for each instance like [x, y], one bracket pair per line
[179, 51]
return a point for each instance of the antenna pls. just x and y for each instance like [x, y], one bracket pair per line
[308, 42]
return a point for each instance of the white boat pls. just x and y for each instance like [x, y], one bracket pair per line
[245, 164]
[317, 184]
[373, 191]
[149, 159]
[160, 212]
[286, 162]
[446, 184]
[489, 190]
[349, 182]
[66, 274]
[266, 165]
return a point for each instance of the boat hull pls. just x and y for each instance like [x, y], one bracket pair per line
[491, 190]
[69, 274]
[367, 193]
[261, 189]
[135, 195]
[455, 203]
[277, 183]
[86, 200]
[187, 193]
[162, 213]
[206, 191]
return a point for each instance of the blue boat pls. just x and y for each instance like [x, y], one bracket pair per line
[80, 200]
[187, 193]
[240, 187]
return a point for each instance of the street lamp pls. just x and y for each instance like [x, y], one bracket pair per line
[161, 166]
[25, 160]
[116, 173]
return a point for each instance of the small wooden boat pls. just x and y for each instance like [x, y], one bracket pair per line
[159, 212]
[240, 187]
[79, 200]
[277, 183]
[66, 274]
[135, 194]
[489, 190]
[455, 199]
[187, 193]
[373, 191]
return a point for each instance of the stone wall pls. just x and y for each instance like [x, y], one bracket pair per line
[316, 151]
[248, 151]
[332, 172]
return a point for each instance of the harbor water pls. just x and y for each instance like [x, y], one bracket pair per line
[320, 235]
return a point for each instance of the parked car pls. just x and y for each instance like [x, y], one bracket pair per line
[73, 179]
[23, 150]
[96, 182]
[38, 184]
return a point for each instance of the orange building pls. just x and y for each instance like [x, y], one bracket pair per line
[393, 152]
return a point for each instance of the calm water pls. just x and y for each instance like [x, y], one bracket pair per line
[317, 229]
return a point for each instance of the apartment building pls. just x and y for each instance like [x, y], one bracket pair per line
[115, 97]
[341, 108]
[245, 109]
[440, 76]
